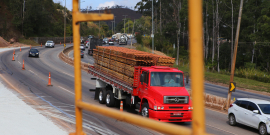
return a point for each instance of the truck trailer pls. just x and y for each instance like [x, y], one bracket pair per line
[155, 91]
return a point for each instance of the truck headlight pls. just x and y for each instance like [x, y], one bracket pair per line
[190, 108]
[155, 107]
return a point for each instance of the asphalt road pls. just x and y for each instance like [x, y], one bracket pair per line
[34, 81]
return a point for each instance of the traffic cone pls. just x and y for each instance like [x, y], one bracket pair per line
[40, 44]
[13, 58]
[121, 106]
[49, 82]
[23, 66]
[20, 49]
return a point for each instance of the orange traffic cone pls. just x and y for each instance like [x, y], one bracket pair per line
[20, 49]
[23, 66]
[121, 106]
[13, 58]
[40, 44]
[49, 82]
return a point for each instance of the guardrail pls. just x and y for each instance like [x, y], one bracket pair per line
[196, 61]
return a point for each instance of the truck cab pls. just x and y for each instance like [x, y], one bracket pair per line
[162, 95]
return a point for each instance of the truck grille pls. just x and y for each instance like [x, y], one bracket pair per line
[176, 99]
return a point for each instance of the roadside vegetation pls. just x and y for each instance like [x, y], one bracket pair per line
[28, 42]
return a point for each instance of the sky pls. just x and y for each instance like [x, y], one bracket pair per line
[99, 3]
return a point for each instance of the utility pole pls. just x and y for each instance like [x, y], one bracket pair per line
[132, 31]
[23, 15]
[65, 25]
[125, 23]
[114, 24]
[235, 53]
[128, 27]
[152, 35]
[112, 27]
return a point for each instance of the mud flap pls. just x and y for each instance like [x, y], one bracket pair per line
[96, 93]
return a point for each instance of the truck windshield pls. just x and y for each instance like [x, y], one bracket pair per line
[167, 79]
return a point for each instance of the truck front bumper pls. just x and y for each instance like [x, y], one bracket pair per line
[171, 116]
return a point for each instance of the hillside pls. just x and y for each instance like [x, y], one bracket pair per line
[119, 12]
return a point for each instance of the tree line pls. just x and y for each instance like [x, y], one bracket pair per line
[220, 19]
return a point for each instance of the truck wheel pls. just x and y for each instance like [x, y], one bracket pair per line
[145, 110]
[110, 99]
[101, 96]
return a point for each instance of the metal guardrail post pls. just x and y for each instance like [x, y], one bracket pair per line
[196, 65]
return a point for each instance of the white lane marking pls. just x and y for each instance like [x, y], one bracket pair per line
[68, 74]
[20, 62]
[221, 129]
[33, 72]
[66, 90]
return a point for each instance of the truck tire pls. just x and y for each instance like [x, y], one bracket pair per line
[145, 110]
[101, 96]
[110, 100]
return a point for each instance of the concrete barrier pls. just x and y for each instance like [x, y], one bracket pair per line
[64, 57]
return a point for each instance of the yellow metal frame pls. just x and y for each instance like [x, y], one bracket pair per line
[196, 59]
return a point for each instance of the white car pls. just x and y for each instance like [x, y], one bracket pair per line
[49, 43]
[82, 47]
[251, 112]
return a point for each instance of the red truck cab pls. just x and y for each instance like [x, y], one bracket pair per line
[162, 94]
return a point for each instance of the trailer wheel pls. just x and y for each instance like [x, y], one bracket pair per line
[145, 110]
[110, 100]
[101, 96]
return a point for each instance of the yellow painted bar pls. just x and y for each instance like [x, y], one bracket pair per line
[165, 128]
[196, 65]
[81, 17]
[77, 69]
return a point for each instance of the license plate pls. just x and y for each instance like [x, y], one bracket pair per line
[177, 114]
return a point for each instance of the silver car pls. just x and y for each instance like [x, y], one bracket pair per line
[82, 47]
[49, 43]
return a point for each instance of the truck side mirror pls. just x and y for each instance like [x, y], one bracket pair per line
[187, 78]
[142, 78]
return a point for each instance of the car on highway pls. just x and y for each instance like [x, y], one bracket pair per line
[33, 53]
[49, 43]
[111, 42]
[82, 54]
[251, 112]
[82, 47]
[105, 40]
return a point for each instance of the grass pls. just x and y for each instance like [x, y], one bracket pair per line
[240, 82]
[28, 42]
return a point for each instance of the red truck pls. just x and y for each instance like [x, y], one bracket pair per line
[157, 92]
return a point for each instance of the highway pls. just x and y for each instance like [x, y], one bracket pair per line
[33, 81]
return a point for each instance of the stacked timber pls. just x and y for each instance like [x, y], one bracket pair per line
[119, 62]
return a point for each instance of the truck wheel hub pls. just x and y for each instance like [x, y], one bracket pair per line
[100, 96]
[108, 98]
[144, 112]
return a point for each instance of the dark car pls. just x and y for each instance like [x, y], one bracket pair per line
[33, 53]
[82, 54]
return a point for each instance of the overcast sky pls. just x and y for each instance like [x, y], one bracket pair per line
[99, 3]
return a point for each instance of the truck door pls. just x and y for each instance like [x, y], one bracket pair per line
[144, 84]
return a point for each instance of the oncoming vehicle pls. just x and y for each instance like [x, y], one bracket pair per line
[251, 112]
[33, 53]
[82, 47]
[49, 43]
